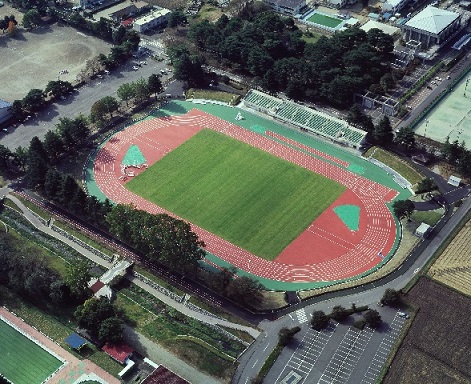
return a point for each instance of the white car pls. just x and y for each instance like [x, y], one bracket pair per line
[135, 67]
[143, 62]
[403, 314]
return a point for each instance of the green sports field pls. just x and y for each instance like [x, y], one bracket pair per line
[23, 361]
[328, 21]
[240, 193]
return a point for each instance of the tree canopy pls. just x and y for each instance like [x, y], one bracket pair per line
[319, 320]
[372, 318]
[403, 208]
[391, 297]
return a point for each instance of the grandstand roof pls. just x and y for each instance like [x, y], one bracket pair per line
[163, 375]
[433, 20]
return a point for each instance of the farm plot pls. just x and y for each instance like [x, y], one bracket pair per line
[436, 348]
[453, 267]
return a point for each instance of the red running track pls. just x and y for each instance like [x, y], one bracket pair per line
[326, 251]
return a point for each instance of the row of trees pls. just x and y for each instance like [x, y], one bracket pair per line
[270, 48]
[320, 320]
[457, 154]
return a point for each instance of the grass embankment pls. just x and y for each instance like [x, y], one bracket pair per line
[242, 194]
[394, 162]
[208, 94]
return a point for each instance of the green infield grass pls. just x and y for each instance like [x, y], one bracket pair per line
[23, 361]
[240, 193]
[328, 21]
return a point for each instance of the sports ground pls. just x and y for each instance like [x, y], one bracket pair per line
[451, 117]
[325, 20]
[279, 205]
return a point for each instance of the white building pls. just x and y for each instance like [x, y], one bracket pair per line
[288, 7]
[385, 28]
[432, 26]
[393, 6]
[156, 19]
[5, 110]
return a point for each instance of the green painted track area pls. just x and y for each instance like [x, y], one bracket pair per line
[23, 361]
[318, 18]
[240, 193]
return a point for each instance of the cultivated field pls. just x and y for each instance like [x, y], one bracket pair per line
[17, 350]
[436, 348]
[32, 59]
[222, 184]
[453, 267]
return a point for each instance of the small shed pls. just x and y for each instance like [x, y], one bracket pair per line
[454, 181]
[76, 342]
[119, 352]
[422, 230]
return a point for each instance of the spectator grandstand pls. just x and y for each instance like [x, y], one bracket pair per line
[305, 118]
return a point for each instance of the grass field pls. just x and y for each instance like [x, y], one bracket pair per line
[242, 194]
[19, 351]
[328, 21]
[453, 266]
[394, 162]
[436, 348]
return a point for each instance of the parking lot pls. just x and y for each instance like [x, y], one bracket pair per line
[338, 354]
[82, 101]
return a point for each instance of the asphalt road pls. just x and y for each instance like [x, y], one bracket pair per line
[82, 101]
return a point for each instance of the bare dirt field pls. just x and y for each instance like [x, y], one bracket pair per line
[436, 348]
[32, 59]
[453, 267]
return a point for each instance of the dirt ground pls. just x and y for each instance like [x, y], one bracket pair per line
[436, 348]
[32, 59]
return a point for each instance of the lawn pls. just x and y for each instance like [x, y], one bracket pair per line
[328, 21]
[240, 193]
[19, 351]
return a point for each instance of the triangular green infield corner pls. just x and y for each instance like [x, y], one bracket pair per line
[350, 215]
[133, 157]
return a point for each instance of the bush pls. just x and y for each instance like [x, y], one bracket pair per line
[372, 318]
[319, 320]
[426, 185]
[360, 324]
[391, 297]
[339, 313]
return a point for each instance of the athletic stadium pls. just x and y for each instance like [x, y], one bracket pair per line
[274, 188]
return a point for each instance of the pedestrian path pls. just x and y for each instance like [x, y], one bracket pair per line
[206, 318]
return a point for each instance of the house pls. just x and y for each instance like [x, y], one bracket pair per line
[287, 7]
[156, 19]
[163, 375]
[393, 6]
[5, 110]
[119, 352]
[432, 26]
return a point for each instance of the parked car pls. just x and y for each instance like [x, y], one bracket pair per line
[403, 314]
[135, 67]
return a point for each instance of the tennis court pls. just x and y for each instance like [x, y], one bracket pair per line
[18, 351]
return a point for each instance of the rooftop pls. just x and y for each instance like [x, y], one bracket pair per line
[163, 375]
[120, 352]
[4, 104]
[432, 19]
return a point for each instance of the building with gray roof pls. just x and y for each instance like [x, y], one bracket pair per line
[5, 110]
[432, 26]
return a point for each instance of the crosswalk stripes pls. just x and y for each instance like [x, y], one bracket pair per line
[301, 315]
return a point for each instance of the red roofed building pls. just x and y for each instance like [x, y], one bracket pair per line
[163, 375]
[95, 287]
[127, 23]
[120, 352]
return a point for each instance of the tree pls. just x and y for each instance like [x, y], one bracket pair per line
[372, 318]
[93, 313]
[73, 132]
[58, 88]
[52, 184]
[426, 185]
[285, 335]
[34, 100]
[31, 19]
[383, 133]
[319, 320]
[98, 112]
[406, 138]
[36, 164]
[5, 155]
[21, 157]
[126, 92]
[17, 110]
[391, 297]
[53, 145]
[111, 104]
[245, 290]
[154, 84]
[141, 90]
[403, 208]
[176, 18]
[111, 330]
[339, 313]
[119, 35]
[77, 278]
